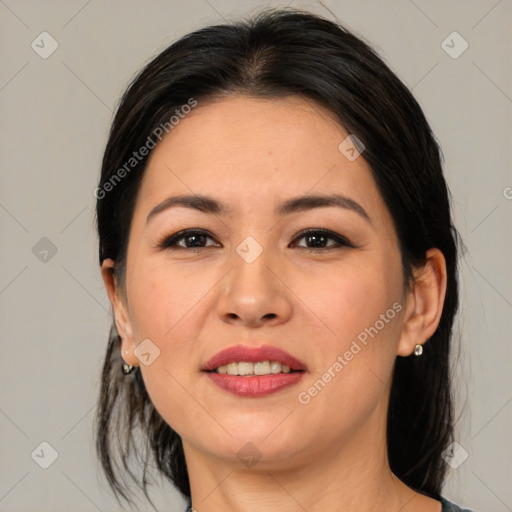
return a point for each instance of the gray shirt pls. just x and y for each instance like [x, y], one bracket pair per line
[448, 506]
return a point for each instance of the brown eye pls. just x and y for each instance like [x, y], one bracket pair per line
[187, 239]
[319, 239]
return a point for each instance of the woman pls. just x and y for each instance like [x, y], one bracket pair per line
[277, 245]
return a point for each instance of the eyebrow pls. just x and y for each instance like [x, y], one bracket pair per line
[209, 205]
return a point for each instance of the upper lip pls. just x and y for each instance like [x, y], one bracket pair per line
[253, 354]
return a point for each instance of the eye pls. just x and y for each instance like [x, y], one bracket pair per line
[196, 239]
[191, 238]
[320, 237]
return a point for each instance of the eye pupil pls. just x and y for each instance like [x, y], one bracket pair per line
[318, 238]
[197, 240]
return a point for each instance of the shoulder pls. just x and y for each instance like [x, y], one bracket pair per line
[448, 506]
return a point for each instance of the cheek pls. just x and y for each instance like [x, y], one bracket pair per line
[164, 307]
[355, 343]
[350, 299]
[163, 301]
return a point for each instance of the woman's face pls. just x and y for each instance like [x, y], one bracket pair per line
[253, 279]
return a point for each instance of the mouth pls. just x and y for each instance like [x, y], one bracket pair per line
[254, 371]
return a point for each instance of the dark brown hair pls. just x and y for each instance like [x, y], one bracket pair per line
[278, 53]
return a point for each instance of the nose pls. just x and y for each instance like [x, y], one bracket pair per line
[252, 295]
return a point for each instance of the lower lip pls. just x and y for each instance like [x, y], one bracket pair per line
[254, 386]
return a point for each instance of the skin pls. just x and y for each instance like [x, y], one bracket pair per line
[329, 454]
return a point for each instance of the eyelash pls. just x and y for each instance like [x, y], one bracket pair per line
[170, 242]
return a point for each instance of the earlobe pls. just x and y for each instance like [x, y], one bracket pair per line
[424, 303]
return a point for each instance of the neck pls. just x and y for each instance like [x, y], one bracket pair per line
[353, 476]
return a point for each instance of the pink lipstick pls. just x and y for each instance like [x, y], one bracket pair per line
[254, 371]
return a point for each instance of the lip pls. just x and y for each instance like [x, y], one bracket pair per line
[254, 385]
[253, 354]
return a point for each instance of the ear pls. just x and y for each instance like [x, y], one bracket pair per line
[424, 303]
[121, 314]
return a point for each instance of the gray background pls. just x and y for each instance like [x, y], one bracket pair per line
[55, 314]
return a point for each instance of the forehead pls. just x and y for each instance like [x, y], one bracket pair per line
[253, 150]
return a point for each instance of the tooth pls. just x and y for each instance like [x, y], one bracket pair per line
[275, 367]
[232, 369]
[262, 368]
[245, 368]
[250, 368]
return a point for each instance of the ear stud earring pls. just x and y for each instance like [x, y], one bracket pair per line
[127, 368]
[418, 350]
